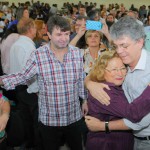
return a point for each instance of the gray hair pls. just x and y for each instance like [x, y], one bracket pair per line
[127, 26]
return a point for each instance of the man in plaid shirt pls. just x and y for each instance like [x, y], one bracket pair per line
[59, 71]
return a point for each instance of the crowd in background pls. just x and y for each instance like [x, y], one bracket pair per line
[40, 10]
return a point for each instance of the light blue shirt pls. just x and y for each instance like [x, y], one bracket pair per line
[135, 83]
[147, 41]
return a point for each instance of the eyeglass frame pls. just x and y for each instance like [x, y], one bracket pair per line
[123, 70]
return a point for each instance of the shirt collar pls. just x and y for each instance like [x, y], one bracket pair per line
[142, 61]
[88, 51]
[27, 38]
[48, 45]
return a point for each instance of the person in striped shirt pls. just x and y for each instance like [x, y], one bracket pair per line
[58, 67]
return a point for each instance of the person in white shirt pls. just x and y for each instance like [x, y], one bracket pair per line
[27, 95]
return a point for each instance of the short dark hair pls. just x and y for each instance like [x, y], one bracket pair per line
[92, 14]
[82, 6]
[75, 6]
[58, 22]
[110, 15]
[80, 17]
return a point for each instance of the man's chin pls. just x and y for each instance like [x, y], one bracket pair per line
[62, 47]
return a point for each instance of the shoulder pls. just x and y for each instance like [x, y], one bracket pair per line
[42, 49]
[12, 37]
[73, 49]
[115, 91]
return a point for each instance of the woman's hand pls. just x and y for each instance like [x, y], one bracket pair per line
[80, 33]
[82, 29]
[94, 124]
[105, 30]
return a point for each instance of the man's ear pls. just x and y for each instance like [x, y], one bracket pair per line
[140, 43]
[49, 35]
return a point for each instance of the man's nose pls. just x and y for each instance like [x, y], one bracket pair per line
[119, 49]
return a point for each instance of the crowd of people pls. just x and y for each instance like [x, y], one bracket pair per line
[62, 84]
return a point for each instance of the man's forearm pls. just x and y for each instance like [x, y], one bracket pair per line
[113, 125]
[118, 125]
[96, 125]
[75, 40]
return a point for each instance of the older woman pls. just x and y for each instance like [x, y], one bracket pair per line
[110, 69]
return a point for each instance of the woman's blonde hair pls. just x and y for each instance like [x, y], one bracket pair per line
[97, 72]
[103, 13]
[39, 26]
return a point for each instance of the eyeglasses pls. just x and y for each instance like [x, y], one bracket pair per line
[116, 70]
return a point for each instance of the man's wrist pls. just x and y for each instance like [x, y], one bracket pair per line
[101, 126]
[84, 101]
[107, 127]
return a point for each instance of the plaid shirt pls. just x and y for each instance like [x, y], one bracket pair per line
[60, 84]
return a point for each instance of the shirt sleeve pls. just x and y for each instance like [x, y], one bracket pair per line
[120, 107]
[29, 71]
[140, 125]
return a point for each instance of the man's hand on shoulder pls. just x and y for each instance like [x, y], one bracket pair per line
[97, 91]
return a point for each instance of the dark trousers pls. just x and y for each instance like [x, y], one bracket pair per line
[51, 136]
[3, 145]
[28, 108]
